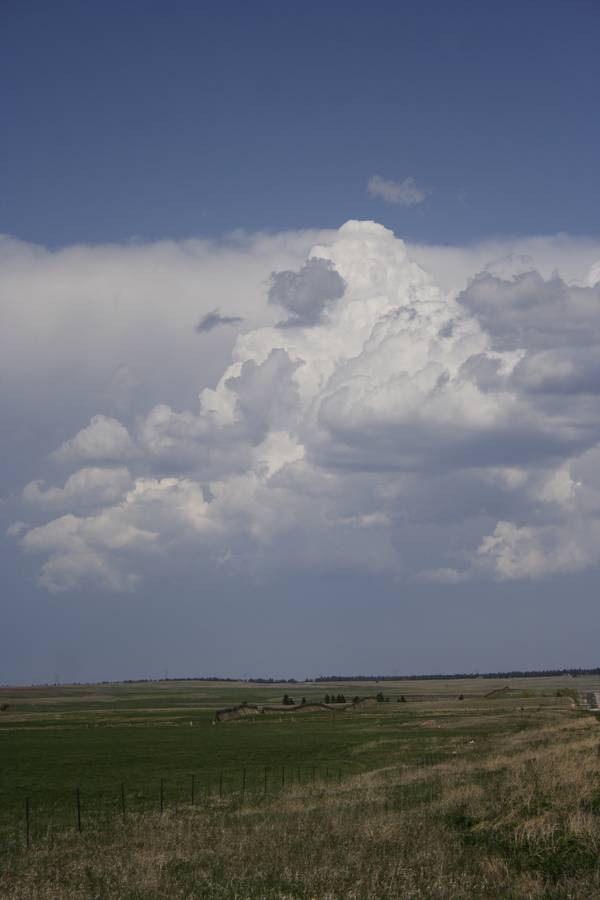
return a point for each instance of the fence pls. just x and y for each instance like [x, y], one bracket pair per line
[44, 812]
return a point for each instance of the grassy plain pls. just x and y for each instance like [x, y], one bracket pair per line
[493, 795]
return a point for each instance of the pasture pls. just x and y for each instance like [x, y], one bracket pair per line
[149, 761]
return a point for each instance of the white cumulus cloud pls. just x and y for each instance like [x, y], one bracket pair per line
[432, 428]
[104, 438]
[91, 486]
[404, 193]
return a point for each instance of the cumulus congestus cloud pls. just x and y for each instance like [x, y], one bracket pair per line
[389, 427]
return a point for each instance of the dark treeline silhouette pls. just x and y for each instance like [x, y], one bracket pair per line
[203, 678]
[323, 679]
[515, 673]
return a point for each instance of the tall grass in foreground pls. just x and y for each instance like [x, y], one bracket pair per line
[521, 822]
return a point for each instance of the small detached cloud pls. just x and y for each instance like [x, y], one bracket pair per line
[405, 193]
[214, 319]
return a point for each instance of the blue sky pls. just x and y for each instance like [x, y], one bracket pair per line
[155, 120]
[246, 429]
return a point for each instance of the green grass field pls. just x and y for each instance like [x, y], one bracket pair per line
[323, 764]
[95, 738]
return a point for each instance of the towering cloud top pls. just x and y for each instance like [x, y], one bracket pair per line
[382, 425]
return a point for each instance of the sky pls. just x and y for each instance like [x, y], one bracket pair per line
[299, 338]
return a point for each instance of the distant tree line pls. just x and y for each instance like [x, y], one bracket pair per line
[201, 678]
[323, 679]
[515, 673]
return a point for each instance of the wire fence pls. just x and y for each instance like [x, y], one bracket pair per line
[40, 814]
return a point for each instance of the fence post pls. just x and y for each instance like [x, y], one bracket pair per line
[193, 787]
[27, 822]
[243, 783]
[266, 770]
[220, 785]
[122, 798]
[313, 774]
[162, 795]
[78, 808]
[339, 776]
[283, 776]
